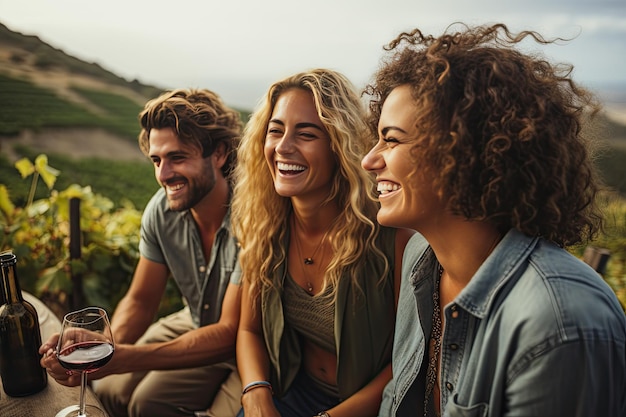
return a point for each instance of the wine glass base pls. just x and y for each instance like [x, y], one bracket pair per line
[73, 411]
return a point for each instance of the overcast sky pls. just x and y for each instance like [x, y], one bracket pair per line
[238, 47]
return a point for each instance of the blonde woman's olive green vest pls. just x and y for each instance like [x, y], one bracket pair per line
[364, 323]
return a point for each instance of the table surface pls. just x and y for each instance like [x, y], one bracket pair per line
[46, 403]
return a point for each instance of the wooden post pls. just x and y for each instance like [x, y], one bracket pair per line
[597, 258]
[77, 298]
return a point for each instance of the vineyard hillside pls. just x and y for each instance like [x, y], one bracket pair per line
[82, 116]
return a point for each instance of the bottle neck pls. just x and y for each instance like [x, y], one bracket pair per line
[11, 292]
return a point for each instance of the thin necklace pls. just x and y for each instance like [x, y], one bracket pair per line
[435, 335]
[309, 260]
[309, 286]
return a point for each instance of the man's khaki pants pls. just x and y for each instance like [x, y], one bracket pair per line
[215, 389]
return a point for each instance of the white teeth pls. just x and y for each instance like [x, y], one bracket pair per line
[289, 167]
[175, 187]
[386, 187]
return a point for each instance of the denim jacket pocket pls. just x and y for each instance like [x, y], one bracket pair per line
[456, 410]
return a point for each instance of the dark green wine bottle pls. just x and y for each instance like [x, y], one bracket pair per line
[20, 336]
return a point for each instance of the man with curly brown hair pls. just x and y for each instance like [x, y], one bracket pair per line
[184, 361]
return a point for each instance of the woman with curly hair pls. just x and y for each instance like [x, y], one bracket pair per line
[320, 276]
[481, 151]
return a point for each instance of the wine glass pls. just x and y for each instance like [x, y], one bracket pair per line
[85, 345]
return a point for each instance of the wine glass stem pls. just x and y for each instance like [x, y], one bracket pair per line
[83, 387]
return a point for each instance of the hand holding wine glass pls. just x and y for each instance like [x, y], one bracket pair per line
[85, 345]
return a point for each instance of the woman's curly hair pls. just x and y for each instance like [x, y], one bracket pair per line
[260, 216]
[500, 129]
[199, 117]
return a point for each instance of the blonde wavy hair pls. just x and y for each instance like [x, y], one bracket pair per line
[260, 217]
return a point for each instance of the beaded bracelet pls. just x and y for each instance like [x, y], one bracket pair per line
[256, 384]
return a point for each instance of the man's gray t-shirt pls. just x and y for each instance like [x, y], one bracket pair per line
[172, 238]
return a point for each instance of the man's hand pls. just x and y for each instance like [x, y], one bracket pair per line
[53, 367]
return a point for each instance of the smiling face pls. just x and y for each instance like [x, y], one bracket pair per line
[406, 195]
[185, 175]
[297, 147]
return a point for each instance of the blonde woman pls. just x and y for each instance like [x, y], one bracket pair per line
[320, 276]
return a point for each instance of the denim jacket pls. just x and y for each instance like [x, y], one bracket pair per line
[536, 332]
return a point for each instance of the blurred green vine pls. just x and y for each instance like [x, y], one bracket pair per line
[613, 238]
[38, 234]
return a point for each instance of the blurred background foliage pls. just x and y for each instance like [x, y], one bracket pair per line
[613, 239]
[39, 235]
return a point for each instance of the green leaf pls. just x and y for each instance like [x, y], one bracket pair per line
[25, 167]
[54, 279]
[6, 205]
[38, 208]
[75, 191]
[48, 174]
[78, 266]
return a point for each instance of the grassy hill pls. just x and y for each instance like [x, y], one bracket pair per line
[79, 114]
[24, 52]
[30, 110]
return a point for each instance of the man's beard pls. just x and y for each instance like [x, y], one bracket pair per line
[195, 192]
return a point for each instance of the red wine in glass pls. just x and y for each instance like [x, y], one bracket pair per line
[85, 345]
[86, 356]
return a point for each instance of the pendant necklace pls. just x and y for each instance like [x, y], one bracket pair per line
[309, 260]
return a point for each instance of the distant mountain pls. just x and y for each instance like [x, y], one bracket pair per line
[82, 116]
[43, 90]
[30, 58]
[53, 102]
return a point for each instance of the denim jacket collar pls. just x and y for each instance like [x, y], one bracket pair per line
[498, 270]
